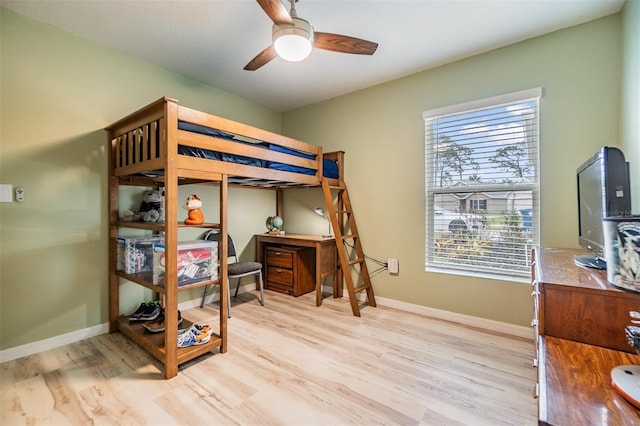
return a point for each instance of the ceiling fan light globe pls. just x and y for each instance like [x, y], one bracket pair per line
[292, 47]
[293, 42]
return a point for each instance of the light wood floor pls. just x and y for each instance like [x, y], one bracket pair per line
[289, 363]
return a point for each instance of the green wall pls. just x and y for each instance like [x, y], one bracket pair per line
[58, 93]
[630, 114]
[382, 131]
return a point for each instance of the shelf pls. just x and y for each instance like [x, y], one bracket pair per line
[145, 279]
[154, 342]
[160, 227]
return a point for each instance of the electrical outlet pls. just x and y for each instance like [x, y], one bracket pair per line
[20, 195]
[392, 265]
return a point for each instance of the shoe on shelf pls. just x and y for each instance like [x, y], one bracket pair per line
[197, 334]
[152, 312]
[157, 325]
[190, 337]
[198, 329]
[141, 309]
[146, 311]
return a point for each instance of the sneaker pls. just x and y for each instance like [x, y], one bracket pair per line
[146, 312]
[198, 329]
[141, 309]
[157, 326]
[196, 334]
[189, 338]
[151, 313]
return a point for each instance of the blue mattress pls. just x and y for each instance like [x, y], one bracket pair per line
[329, 167]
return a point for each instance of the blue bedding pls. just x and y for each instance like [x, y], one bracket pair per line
[329, 168]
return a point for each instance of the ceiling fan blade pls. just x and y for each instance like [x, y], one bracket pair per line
[343, 44]
[261, 59]
[276, 11]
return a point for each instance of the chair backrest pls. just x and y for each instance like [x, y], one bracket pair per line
[214, 235]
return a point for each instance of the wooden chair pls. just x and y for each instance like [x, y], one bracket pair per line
[236, 269]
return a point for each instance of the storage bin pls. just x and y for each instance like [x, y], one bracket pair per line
[622, 251]
[135, 254]
[197, 261]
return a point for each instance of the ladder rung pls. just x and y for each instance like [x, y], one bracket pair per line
[347, 237]
[343, 212]
[355, 261]
[362, 287]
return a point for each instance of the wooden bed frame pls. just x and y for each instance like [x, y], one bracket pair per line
[143, 151]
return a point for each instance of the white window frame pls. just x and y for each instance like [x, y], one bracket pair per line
[429, 116]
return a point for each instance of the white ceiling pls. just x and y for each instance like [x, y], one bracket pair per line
[212, 40]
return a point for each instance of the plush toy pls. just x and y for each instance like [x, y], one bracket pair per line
[150, 209]
[193, 205]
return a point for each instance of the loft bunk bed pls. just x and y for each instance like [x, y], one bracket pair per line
[164, 145]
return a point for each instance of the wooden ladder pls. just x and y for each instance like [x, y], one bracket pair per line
[350, 266]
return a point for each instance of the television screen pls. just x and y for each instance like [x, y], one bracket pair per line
[603, 190]
[592, 208]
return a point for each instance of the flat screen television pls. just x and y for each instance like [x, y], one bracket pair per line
[603, 190]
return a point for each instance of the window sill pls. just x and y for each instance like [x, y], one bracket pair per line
[485, 275]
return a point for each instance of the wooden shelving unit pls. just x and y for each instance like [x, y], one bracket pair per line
[163, 346]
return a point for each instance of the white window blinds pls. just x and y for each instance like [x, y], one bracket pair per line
[481, 185]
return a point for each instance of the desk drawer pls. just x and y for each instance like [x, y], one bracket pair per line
[290, 269]
[280, 276]
[279, 258]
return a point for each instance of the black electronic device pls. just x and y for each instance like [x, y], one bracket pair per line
[603, 190]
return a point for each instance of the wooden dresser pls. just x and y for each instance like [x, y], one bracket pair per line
[579, 322]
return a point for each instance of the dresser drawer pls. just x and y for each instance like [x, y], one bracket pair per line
[279, 258]
[280, 276]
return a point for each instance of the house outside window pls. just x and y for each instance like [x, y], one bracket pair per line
[481, 186]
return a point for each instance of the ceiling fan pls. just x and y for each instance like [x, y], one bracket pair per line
[293, 37]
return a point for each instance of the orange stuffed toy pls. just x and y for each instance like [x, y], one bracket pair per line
[193, 205]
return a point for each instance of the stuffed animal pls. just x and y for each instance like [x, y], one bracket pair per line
[150, 209]
[193, 205]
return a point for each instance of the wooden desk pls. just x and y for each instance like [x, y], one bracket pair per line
[326, 257]
[575, 385]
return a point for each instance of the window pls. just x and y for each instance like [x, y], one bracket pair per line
[481, 185]
[478, 204]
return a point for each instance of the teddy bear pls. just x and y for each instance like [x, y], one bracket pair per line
[150, 209]
[195, 215]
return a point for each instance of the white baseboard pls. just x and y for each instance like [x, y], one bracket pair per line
[467, 320]
[75, 336]
[52, 342]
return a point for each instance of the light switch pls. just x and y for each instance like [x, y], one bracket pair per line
[6, 193]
